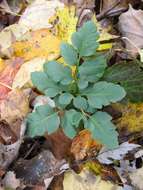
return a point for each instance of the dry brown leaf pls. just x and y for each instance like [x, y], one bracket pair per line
[42, 166]
[82, 144]
[15, 106]
[9, 152]
[59, 144]
[40, 43]
[131, 27]
[107, 4]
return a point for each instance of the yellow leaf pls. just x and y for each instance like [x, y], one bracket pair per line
[2, 65]
[86, 180]
[132, 117]
[105, 36]
[41, 43]
[23, 76]
[66, 23]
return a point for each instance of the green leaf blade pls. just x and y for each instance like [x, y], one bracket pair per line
[80, 103]
[65, 98]
[104, 93]
[70, 122]
[69, 54]
[102, 129]
[92, 71]
[44, 119]
[85, 40]
[58, 72]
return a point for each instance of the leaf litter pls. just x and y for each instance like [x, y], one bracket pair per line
[25, 45]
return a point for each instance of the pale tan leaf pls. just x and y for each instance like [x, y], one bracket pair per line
[86, 181]
[131, 27]
[36, 15]
[23, 76]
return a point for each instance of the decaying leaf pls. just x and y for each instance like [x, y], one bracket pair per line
[40, 43]
[9, 35]
[86, 180]
[15, 106]
[130, 76]
[82, 144]
[36, 15]
[7, 76]
[130, 24]
[23, 76]
[10, 181]
[66, 22]
[39, 168]
[137, 178]
[2, 65]
[132, 117]
[9, 152]
[108, 156]
[105, 36]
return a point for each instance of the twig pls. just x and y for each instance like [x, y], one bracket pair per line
[104, 13]
[5, 85]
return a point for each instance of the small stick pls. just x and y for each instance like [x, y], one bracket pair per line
[104, 13]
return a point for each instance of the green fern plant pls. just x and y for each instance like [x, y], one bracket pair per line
[78, 96]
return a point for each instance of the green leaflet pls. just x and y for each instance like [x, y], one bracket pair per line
[69, 54]
[130, 76]
[65, 98]
[80, 103]
[44, 119]
[58, 72]
[92, 71]
[102, 129]
[70, 121]
[103, 93]
[85, 40]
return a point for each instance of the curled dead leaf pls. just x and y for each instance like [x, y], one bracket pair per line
[82, 144]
